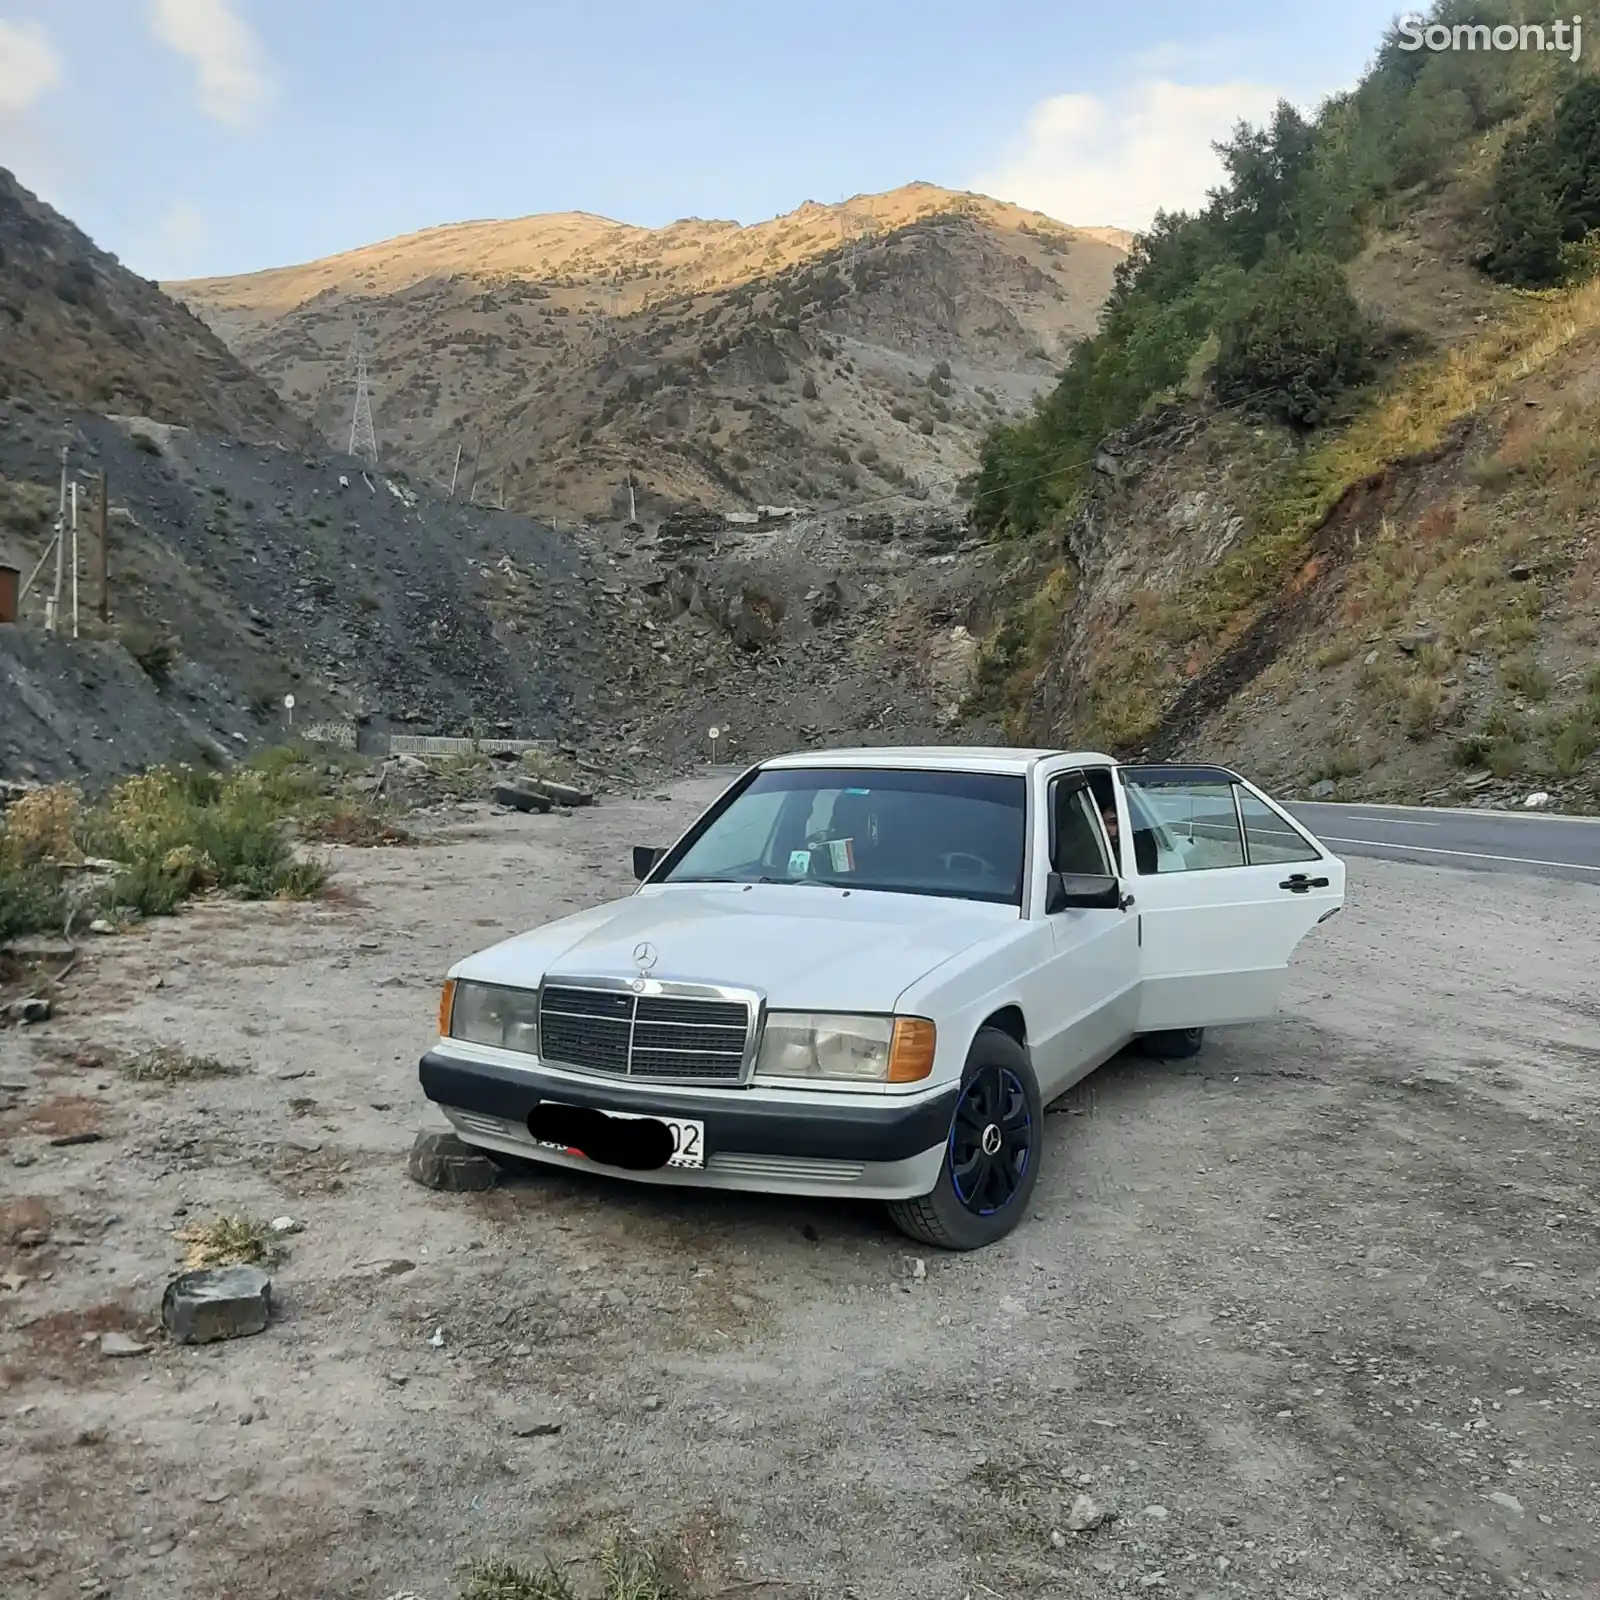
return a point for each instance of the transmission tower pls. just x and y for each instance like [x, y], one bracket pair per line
[608, 295]
[857, 233]
[363, 436]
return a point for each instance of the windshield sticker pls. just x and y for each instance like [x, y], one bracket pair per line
[799, 862]
[857, 791]
[842, 855]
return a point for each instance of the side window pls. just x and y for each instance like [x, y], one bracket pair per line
[1077, 843]
[1190, 826]
[1270, 839]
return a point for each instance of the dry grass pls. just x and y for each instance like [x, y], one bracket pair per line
[229, 1241]
[627, 1568]
[1343, 760]
[1420, 705]
[1417, 417]
[167, 1064]
[356, 826]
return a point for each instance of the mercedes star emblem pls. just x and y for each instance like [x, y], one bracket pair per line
[644, 956]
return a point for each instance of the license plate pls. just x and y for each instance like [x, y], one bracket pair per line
[688, 1137]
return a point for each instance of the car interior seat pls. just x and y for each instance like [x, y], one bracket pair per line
[1146, 856]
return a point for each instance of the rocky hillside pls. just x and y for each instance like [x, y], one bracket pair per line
[241, 574]
[1318, 498]
[841, 352]
[76, 327]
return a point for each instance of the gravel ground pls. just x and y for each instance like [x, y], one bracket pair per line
[1312, 1316]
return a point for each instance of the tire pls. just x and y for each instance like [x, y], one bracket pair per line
[983, 1194]
[1176, 1045]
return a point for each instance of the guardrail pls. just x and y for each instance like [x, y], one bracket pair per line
[407, 744]
[342, 734]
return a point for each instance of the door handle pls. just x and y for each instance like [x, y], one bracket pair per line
[1299, 883]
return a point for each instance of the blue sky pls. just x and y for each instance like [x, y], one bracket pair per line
[211, 136]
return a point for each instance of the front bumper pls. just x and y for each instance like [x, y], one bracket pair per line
[865, 1147]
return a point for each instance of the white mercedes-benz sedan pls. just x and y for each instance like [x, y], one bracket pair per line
[865, 973]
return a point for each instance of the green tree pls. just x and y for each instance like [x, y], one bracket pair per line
[1297, 341]
[1524, 215]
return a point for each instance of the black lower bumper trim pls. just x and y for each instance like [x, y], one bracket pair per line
[860, 1128]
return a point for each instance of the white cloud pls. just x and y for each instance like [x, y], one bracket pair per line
[1114, 160]
[235, 79]
[29, 66]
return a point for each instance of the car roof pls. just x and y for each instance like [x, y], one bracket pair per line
[935, 758]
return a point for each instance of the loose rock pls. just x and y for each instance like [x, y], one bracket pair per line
[565, 795]
[218, 1303]
[521, 798]
[536, 1427]
[442, 1161]
[1086, 1515]
[120, 1344]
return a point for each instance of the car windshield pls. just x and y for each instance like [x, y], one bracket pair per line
[958, 835]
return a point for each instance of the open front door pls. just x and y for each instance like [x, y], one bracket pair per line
[1227, 886]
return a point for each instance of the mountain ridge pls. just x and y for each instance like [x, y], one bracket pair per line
[84, 330]
[836, 352]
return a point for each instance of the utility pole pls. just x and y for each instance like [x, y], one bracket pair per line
[455, 473]
[74, 559]
[102, 558]
[53, 610]
[633, 508]
[477, 454]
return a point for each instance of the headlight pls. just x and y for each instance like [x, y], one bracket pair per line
[808, 1044]
[484, 1013]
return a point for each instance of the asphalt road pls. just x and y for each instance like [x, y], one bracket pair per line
[1476, 841]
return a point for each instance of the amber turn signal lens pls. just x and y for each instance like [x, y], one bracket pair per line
[911, 1050]
[447, 1002]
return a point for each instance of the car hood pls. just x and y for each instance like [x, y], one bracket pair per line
[806, 948]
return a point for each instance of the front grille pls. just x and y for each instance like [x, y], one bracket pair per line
[643, 1035]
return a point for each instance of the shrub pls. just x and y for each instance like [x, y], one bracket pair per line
[178, 832]
[31, 901]
[157, 654]
[143, 442]
[1297, 342]
[42, 827]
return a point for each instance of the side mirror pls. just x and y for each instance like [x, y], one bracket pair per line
[1076, 891]
[645, 860]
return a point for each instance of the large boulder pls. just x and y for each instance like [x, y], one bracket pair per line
[442, 1161]
[218, 1303]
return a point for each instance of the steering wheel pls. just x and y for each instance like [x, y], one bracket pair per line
[948, 862]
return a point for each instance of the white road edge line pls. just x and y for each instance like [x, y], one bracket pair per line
[1449, 811]
[1398, 822]
[1468, 855]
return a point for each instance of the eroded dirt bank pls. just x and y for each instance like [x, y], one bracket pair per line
[1313, 1315]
